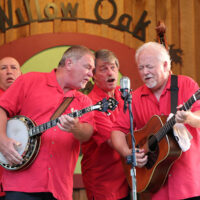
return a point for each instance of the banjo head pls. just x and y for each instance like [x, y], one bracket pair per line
[18, 130]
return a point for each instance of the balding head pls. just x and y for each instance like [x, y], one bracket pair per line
[9, 72]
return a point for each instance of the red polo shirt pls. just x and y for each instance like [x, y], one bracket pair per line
[1, 168]
[102, 170]
[1, 91]
[184, 176]
[37, 96]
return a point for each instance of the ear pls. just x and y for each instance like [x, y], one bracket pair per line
[165, 65]
[68, 63]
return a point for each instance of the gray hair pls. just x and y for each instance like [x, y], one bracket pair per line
[161, 53]
[75, 52]
[107, 56]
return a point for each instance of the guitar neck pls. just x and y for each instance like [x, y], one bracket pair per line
[43, 127]
[171, 122]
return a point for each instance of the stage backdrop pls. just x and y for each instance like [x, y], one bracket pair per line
[29, 28]
[129, 22]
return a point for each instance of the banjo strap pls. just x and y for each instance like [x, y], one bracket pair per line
[63, 106]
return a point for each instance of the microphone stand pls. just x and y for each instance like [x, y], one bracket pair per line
[132, 158]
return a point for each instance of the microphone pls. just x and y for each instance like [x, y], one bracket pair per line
[124, 86]
[125, 90]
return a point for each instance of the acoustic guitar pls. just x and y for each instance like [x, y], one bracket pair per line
[159, 143]
[25, 131]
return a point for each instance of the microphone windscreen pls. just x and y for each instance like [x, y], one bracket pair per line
[125, 83]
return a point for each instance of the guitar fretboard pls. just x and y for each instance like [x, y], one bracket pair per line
[43, 127]
[171, 122]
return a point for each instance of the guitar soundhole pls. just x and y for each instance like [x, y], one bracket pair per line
[153, 152]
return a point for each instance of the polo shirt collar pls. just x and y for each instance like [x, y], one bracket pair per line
[52, 81]
[101, 93]
[51, 78]
[1, 91]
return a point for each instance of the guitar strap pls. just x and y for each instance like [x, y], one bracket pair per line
[63, 106]
[174, 93]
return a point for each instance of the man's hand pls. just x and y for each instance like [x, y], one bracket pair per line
[188, 117]
[81, 131]
[182, 116]
[67, 123]
[8, 148]
[141, 157]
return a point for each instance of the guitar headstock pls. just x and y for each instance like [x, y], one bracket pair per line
[107, 104]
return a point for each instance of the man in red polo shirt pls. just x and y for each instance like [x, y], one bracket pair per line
[9, 72]
[37, 96]
[153, 98]
[102, 170]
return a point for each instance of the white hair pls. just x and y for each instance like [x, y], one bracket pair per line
[160, 52]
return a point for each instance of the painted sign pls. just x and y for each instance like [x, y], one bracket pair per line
[70, 12]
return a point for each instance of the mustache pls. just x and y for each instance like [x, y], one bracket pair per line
[148, 76]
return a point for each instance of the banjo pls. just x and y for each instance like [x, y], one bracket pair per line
[25, 131]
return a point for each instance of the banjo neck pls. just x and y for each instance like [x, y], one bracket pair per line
[37, 130]
[23, 129]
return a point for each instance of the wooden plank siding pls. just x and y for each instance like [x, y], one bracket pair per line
[180, 16]
[197, 38]
[37, 10]
[182, 19]
[2, 35]
[187, 31]
[174, 34]
[23, 31]
[65, 25]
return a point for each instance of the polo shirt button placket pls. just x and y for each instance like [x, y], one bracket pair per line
[51, 154]
[53, 141]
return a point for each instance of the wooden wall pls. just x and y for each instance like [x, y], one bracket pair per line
[182, 19]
